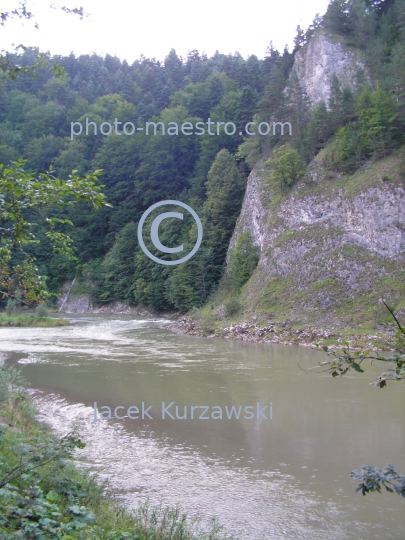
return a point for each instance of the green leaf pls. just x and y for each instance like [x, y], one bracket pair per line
[52, 496]
[357, 367]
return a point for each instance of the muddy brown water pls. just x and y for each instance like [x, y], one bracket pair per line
[285, 477]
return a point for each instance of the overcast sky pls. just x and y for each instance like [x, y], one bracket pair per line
[128, 28]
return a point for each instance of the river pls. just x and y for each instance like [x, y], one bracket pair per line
[264, 478]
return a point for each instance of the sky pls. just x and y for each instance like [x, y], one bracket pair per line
[129, 29]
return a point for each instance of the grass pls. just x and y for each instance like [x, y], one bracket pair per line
[48, 498]
[314, 275]
[384, 173]
[81, 287]
[31, 321]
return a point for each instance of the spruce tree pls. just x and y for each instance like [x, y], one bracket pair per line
[225, 188]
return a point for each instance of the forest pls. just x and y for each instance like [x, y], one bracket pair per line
[360, 124]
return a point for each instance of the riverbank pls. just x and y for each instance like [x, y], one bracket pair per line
[31, 321]
[44, 495]
[257, 328]
[282, 333]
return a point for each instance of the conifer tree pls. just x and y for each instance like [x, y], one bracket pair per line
[225, 189]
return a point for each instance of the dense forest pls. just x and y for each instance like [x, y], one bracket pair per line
[359, 124]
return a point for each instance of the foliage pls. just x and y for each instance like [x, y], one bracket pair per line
[232, 307]
[376, 122]
[287, 166]
[118, 266]
[41, 311]
[31, 457]
[345, 152]
[127, 273]
[345, 360]
[181, 289]
[243, 260]
[225, 189]
[372, 478]
[12, 69]
[43, 496]
[23, 196]
[10, 379]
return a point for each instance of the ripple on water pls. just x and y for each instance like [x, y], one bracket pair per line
[224, 470]
[254, 505]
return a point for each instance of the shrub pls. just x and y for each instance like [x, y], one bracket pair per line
[287, 166]
[41, 311]
[207, 323]
[232, 306]
[243, 260]
[10, 306]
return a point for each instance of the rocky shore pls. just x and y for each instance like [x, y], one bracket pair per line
[253, 330]
[282, 333]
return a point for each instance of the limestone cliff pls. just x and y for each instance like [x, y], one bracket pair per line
[320, 59]
[330, 247]
[333, 245]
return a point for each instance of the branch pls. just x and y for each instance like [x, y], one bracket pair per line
[9, 476]
[65, 445]
[393, 315]
[9, 295]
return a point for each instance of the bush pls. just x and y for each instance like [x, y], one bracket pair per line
[10, 306]
[43, 496]
[41, 311]
[243, 260]
[232, 307]
[10, 379]
[207, 323]
[287, 166]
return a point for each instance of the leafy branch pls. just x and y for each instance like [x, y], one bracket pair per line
[8, 64]
[42, 455]
[21, 195]
[343, 360]
[372, 478]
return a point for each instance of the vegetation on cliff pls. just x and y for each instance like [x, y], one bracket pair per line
[357, 127]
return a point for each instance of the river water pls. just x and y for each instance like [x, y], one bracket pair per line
[285, 477]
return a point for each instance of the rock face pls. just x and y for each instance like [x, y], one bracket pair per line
[253, 213]
[71, 302]
[322, 57]
[78, 303]
[332, 246]
[329, 247]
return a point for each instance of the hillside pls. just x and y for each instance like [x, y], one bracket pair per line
[330, 249]
[330, 246]
[317, 201]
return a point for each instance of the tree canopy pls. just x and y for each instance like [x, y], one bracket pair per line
[25, 197]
